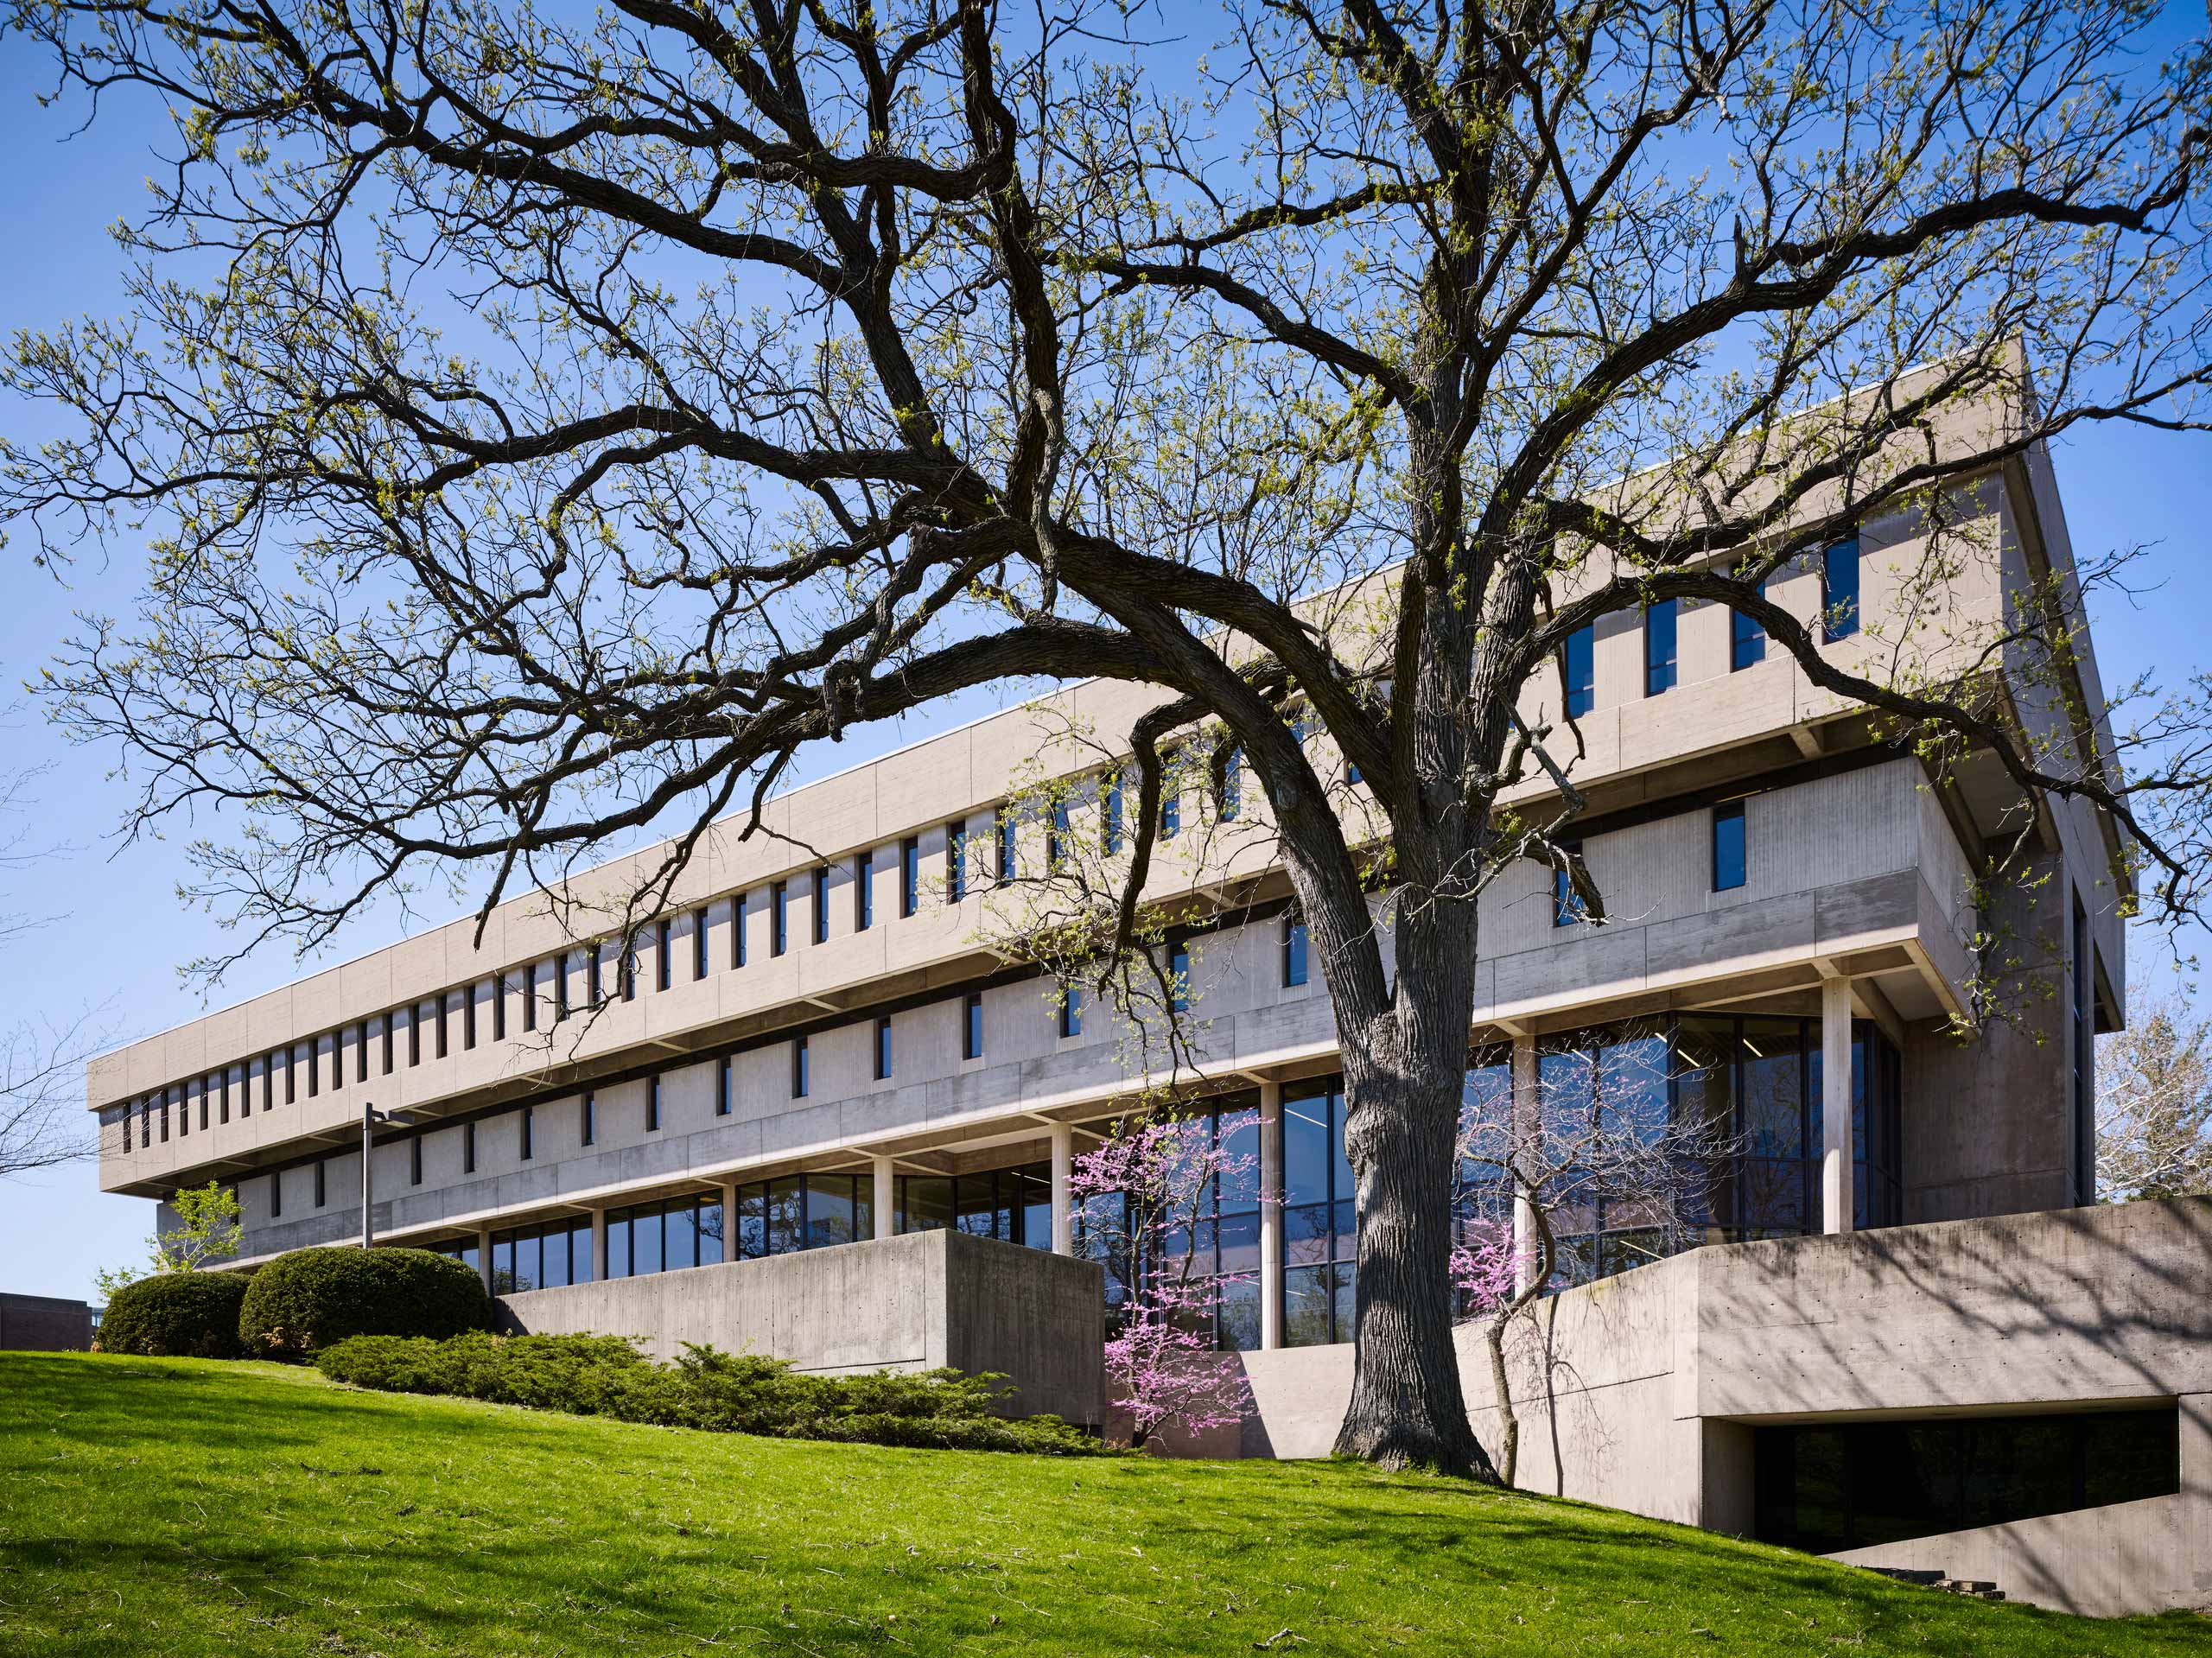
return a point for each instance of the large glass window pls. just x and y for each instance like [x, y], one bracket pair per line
[665, 1236]
[544, 1256]
[1856, 1484]
[1318, 1228]
[1013, 1205]
[1731, 859]
[797, 1212]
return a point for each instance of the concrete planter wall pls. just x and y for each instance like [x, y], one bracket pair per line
[913, 1303]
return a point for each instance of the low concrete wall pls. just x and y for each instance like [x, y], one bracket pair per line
[44, 1324]
[912, 1303]
[1641, 1392]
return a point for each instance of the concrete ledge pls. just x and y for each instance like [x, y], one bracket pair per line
[918, 1302]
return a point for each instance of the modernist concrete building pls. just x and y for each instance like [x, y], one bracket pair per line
[816, 1044]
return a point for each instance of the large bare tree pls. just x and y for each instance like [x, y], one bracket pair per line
[550, 426]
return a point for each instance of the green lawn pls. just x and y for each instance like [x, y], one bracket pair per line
[181, 1508]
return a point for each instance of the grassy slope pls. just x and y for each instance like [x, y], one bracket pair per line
[184, 1508]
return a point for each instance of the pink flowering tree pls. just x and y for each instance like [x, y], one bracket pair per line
[1141, 1198]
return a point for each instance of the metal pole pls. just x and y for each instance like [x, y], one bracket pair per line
[368, 1195]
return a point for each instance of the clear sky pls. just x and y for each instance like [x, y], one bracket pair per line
[121, 931]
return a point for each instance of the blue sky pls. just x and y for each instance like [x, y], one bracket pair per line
[124, 931]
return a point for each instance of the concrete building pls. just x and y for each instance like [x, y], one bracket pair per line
[813, 1043]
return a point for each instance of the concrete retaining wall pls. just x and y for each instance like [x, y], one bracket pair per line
[1641, 1392]
[912, 1303]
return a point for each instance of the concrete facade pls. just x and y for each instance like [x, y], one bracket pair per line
[799, 1011]
[920, 1302]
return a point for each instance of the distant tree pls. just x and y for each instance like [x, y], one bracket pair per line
[1145, 1199]
[2154, 1102]
[550, 423]
[208, 1230]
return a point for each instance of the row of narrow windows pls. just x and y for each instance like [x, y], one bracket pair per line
[1839, 570]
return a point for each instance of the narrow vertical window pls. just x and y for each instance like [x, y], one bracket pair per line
[652, 1103]
[386, 1040]
[883, 1047]
[361, 1052]
[291, 1093]
[1728, 848]
[737, 931]
[275, 1195]
[1171, 798]
[268, 1081]
[594, 987]
[1056, 833]
[1659, 646]
[530, 996]
[721, 1086]
[1109, 833]
[468, 1017]
[909, 875]
[662, 937]
[560, 987]
[1293, 952]
[337, 1062]
[863, 892]
[414, 1034]
[1578, 670]
[698, 944]
[822, 906]
[1179, 977]
[315, 1066]
[1008, 863]
[798, 1068]
[499, 1014]
[626, 967]
[165, 1114]
[441, 1006]
[956, 862]
[1070, 1010]
[321, 1188]
[779, 907]
[588, 1120]
[1840, 590]
[529, 1132]
[414, 1158]
[1746, 640]
[468, 1148]
[223, 1103]
[971, 1025]
[1232, 784]
[1566, 903]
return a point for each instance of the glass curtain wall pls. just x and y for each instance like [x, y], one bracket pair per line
[545, 1256]
[664, 1236]
[1318, 1230]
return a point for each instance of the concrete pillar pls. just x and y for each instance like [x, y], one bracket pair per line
[484, 1255]
[726, 1190]
[886, 1205]
[1835, 1105]
[1063, 1180]
[1271, 1184]
[598, 1246]
[1527, 1122]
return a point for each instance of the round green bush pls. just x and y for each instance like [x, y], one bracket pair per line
[309, 1299]
[176, 1315]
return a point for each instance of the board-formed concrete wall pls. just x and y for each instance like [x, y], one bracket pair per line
[1641, 1391]
[916, 1302]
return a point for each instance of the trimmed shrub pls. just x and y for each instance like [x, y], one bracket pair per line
[176, 1315]
[722, 1392]
[310, 1298]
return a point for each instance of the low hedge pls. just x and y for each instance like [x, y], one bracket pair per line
[175, 1315]
[723, 1392]
[307, 1300]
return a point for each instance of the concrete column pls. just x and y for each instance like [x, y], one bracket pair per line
[599, 1245]
[1527, 1122]
[1270, 1215]
[887, 1206]
[726, 1191]
[1835, 1105]
[484, 1255]
[1063, 1180]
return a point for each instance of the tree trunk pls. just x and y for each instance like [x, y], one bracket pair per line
[1509, 1419]
[1408, 1408]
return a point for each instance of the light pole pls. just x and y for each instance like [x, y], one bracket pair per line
[369, 1118]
